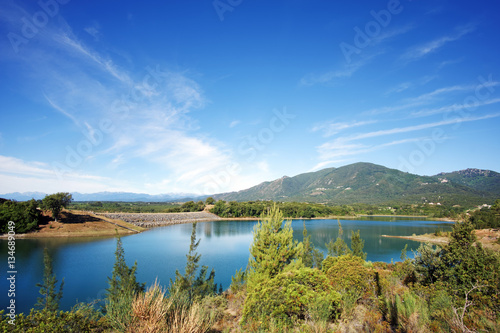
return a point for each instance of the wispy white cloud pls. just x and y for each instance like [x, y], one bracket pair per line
[62, 111]
[322, 165]
[234, 123]
[66, 39]
[427, 98]
[17, 175]
[432, 46]
[453, 107]
[94, 30]
[345, 71]
[332, 128]
[355, 145]
[410, 84]
[420, 127]
[341, 147]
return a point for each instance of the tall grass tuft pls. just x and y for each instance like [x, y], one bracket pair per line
[149, 310]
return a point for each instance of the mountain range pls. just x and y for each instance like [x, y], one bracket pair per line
[375, 184]
[106, 196]
[355, 183]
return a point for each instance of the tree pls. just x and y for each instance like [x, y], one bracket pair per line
[210, 201]
[311, 256]
[194, 287]
[357, 245]
[56, 202]
[123, 279]
[339, 247]
[123, 288]
[307, 250]
[273, 246]
[50, 298]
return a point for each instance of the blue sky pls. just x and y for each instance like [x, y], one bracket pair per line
[214, 96]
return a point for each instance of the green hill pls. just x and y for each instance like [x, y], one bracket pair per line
[376, 184]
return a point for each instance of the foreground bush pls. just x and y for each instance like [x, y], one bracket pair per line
[289, 296]
[54, 321]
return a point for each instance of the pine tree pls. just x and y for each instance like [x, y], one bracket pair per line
[307, 251]
[339, 247]
[50, 298]
[189, 284]
[123, 287]
[123, 279]
[357, 245]
[273, 245]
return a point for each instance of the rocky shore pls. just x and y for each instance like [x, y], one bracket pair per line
[150, 220]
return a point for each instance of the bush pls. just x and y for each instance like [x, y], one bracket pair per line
[346, 272]
[53, 321]
[289, 296]
[25, 215]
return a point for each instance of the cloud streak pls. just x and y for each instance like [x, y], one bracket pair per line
[420, 51]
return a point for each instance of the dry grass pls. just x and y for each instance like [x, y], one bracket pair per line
[149, 311]
[76, 223]
[154, 312]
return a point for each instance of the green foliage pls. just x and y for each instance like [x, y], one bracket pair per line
[237, 281]
[53, 321]
[191, 206]
[486, 217]
[50, 298]
[460, 265]
[346, 272]
[210, 201]
[307, 249]
[428, 263]
[25, 215]
[188, 285]
[289, 296]
[357, 245]
[56, 202]
[127, 207]
[123, 288]
[465, 262]
[339, 247]
[273, 246]
[411, 312]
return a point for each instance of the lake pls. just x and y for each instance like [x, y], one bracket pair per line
[85, 263]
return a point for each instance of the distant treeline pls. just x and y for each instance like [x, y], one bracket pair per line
[311, 210]
[138, 207]
[289, 209]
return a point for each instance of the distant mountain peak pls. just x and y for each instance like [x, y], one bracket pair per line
[374, 184]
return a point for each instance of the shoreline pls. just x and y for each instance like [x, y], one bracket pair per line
[487, 237]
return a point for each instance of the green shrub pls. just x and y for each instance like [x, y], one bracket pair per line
[289, 296]
[52, 321]
[346, 272]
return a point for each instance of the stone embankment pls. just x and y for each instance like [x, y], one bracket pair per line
[150, 220]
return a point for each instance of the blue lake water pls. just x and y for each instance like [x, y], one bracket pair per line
[85, 263]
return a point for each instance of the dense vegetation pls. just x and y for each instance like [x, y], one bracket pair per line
[138, 207]
[25, 215]
[310, 210]
[486, 217]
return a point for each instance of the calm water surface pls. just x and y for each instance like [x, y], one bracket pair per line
[85, 263]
